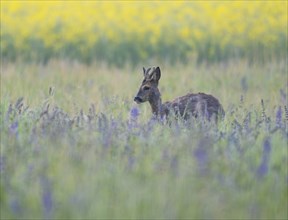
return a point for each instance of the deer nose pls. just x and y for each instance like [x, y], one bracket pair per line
[137, 99]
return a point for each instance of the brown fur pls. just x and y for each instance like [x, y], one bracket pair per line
[185, 106]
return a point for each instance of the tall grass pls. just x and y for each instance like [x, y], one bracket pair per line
[76, 146]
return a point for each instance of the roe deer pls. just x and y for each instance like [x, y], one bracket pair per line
[194, 105]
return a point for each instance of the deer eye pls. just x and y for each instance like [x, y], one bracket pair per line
[146, 88]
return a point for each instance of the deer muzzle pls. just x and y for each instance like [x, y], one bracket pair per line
[138, 100]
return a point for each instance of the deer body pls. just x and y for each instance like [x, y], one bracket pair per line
[190, 105]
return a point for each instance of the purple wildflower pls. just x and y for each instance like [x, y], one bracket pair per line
[263, 167]
[14, 128]
[247, 122]
[47, 200]
[134, 113]
[279, 116]
[201, 155]
[15, 207]
[266, 147]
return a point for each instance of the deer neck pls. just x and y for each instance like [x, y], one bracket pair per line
[156, 104]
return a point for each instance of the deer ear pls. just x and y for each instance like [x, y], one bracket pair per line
[144, 71]
[156, 74]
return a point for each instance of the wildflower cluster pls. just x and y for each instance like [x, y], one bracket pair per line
[73, 163]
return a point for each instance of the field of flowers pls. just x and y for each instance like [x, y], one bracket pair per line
[131, 31]
[75, 146]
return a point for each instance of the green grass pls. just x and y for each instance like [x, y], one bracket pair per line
[86, 156]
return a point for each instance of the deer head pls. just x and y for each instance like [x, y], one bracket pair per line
[149, 88]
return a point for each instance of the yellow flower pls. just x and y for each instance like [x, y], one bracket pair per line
[60, 23]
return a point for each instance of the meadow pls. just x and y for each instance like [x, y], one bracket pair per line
[74, 145]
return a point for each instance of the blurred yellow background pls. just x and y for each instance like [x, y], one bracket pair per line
[139, 30]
